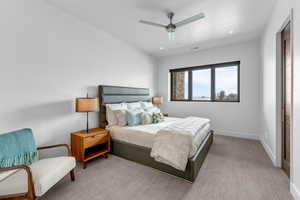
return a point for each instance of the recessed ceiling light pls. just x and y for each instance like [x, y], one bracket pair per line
[230, 32]
[161, 48]
[195, 48]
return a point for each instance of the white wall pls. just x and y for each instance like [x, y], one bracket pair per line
[236, 119]
[48, 58]
[280, 14]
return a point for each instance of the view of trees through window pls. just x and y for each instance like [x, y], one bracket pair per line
[180, 86]
[218, 82]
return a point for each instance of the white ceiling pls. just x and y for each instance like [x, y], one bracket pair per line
[244, 18]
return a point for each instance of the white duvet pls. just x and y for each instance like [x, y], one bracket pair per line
[172, 144]
[143, 135]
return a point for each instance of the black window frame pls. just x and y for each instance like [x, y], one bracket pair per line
[213, 81]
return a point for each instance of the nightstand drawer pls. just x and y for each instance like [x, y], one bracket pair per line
[94, 140]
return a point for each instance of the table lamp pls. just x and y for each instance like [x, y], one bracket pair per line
[157, 100]
[87, 104]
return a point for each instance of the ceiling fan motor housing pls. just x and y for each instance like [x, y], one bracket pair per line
[171, 28]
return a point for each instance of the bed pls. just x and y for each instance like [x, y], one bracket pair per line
[134, 143]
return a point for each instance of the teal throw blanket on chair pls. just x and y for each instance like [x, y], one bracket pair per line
[17, 148]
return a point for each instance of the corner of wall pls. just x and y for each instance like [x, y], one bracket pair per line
[295, 191]
[268, 150]
[156, 76]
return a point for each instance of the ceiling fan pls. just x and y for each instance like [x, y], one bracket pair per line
[170, 28]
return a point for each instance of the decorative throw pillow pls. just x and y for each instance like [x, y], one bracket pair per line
[157, 117]
[133, 117]
[146, 104]
[146, 118]
[121, 117]
[110, 115]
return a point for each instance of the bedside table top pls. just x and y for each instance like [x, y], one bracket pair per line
[92, 132]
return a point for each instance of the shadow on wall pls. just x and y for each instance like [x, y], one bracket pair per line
[44, 111]
[265, 130]
[93, 91]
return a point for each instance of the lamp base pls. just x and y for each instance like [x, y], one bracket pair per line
[85, 131]
[87, 122]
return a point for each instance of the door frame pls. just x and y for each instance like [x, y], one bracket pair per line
[279, 94]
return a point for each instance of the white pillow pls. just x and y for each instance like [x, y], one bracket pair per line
[110, 116]
[146, 118]
[135, 105]
[146, 104]
[121, 117]
[152, 110]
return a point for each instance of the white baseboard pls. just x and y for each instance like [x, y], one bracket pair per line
[295, 191]
[269, 151]
[252, 137]
[237, 134]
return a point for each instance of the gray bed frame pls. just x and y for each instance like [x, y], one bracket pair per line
[140, 154]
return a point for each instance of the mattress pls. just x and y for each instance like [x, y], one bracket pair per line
[143, 135]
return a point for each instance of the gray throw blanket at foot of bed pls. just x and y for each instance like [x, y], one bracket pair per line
[172, 144]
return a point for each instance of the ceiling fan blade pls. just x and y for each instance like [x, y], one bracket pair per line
[190, 19]
[152, 23]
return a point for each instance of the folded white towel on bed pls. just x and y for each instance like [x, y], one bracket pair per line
[172, 144]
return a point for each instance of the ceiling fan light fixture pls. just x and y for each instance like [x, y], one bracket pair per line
[171, 35]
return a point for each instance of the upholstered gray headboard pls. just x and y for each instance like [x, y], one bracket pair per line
[116, 94]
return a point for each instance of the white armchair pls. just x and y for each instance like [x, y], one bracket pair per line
[32, 181]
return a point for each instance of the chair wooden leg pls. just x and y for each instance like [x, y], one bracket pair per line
[32, 197]
[72, 174]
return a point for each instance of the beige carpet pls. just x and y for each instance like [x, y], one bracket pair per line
[235, 169]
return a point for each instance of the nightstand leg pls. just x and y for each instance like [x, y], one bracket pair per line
[84, 165]
[72, 174]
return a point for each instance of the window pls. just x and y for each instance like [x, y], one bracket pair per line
[217, 82]
[226, 83]
[181, 85]
[201, 84]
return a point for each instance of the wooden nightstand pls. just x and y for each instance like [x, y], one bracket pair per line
[86, 146]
